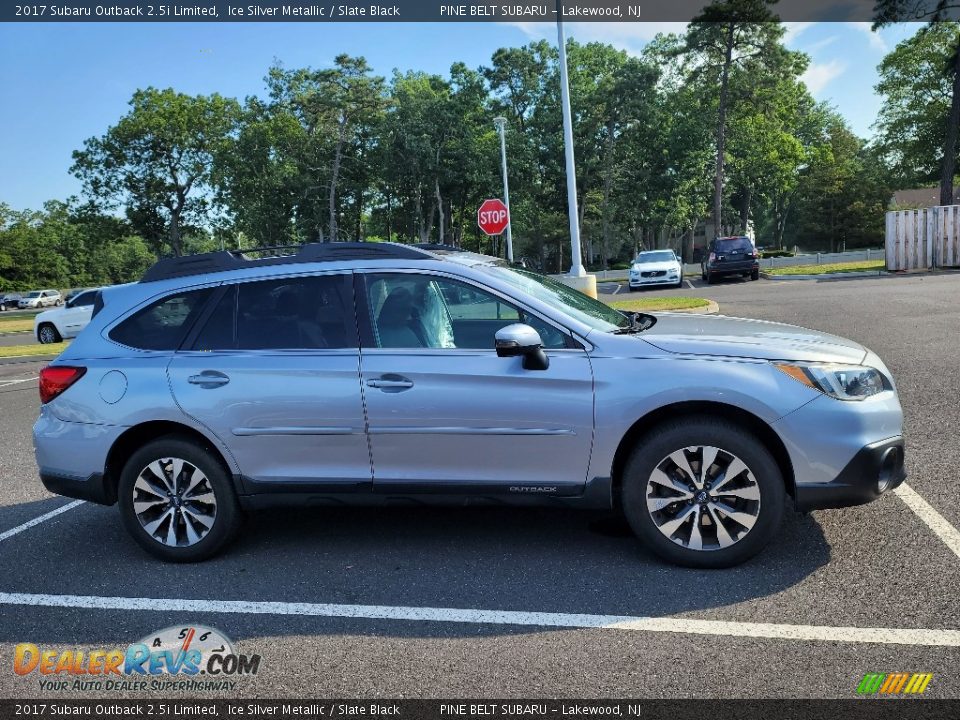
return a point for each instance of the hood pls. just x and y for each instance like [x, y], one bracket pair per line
[723, 336]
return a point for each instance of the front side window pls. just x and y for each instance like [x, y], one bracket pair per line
[301, 313]
[163, 324]
[423, 311]
[84, 299]
[590, 312]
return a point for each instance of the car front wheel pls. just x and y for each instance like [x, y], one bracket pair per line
[703, 493]
[177, 501]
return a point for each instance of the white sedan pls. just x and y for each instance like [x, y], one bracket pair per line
[52, 326]
[656, 267]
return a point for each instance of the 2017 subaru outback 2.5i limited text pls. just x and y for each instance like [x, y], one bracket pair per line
[372, 373]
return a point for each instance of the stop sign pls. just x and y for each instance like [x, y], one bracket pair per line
[493, 217]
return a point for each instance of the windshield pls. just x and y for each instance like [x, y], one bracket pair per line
[590, 312]
[34, 294]
[656, 256]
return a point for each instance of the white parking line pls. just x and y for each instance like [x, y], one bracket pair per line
[5, 383]
[37, 520]
[934, 520]
[819, 633]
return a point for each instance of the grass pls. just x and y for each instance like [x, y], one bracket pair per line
[844, 267]
[660, 303]
[33, 349]
[15, 324]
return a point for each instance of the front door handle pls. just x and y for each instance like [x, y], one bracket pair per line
[209, 379]
[391, 383]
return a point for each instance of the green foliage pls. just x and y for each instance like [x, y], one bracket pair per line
[917, 89]
[712, 121]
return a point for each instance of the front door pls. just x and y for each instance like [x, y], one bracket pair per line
[274, 372]
[446, 414]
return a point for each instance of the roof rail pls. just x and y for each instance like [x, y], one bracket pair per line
[224, 260]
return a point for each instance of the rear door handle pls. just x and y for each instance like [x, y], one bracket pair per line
[209, 379]
[391, 383]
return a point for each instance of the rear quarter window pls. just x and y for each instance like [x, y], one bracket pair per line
[163, 324]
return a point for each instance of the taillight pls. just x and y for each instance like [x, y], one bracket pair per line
[713, 256]
[54, 379]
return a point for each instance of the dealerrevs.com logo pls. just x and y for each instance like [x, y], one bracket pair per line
[189, 658]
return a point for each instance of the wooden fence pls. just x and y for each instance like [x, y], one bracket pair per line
[923, 239]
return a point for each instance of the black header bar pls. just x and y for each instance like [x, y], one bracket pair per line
[438, 11]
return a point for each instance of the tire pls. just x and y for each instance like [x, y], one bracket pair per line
[679, 283]
[703, 274]
[219, 503]
[47, 334]
[631, 288]
[746, 521]
[755, 275]
[710, 278]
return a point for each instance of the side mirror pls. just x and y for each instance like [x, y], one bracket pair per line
[522, 340]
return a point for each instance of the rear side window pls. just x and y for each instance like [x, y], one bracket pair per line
[303, 313]
[163, 324]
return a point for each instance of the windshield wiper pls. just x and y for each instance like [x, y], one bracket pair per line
[638, 323]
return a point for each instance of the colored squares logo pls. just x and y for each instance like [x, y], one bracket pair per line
[894, 683]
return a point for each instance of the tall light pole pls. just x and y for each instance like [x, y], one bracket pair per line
[576, 263]
[501, 123]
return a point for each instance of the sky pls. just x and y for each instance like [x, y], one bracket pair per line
[61, 83]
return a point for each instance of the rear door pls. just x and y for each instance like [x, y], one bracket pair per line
[273, 371]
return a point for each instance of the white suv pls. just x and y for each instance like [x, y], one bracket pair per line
[52, 326]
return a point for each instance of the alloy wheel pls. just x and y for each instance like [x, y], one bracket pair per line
[703, 498]
[174, 502]
[47, 335]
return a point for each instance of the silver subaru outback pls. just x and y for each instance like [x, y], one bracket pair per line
[368, 373]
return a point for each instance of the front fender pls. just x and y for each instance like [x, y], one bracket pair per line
[628, 389]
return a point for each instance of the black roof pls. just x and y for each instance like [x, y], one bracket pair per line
[224, 260]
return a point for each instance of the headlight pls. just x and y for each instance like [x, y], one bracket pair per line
[844, 382]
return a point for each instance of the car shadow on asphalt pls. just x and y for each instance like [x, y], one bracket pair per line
[535, 560]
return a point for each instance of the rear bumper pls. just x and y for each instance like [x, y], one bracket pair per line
[93, 488]
[875, 469]
[734, 268]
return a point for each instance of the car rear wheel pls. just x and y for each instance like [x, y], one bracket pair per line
[755, 275]
[48, 334]
[177, 501]
[703, 493]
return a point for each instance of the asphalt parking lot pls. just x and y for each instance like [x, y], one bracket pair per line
[518, 603]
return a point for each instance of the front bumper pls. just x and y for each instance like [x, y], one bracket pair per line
[637, 281]
[875, 469]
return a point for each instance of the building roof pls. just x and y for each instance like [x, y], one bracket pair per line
[920, 198]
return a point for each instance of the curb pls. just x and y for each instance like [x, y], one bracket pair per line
[826, 276]
[712, 308]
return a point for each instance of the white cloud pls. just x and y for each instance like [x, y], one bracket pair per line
[794, 30]
[819, 75]
[875, 38]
